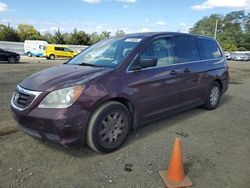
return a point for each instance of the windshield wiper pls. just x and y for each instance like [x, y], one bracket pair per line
[88, 64]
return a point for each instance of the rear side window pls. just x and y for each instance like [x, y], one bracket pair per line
[185, 49]
[210, 49]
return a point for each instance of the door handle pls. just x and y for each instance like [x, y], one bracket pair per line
[187, 70]
[173, 72]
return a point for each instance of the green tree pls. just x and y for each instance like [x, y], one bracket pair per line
[47, 36]
[83, 38]
[58, 37]
[8, 33]
[232, 32]
[119, 33]
[28, 32]
[206, 26]
[74, 37]
[247, 23]
[67, 38]
[246, 41]
[80, 38]
[105, 34]
[95, 37]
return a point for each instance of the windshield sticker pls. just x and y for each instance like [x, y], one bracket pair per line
[133, 40]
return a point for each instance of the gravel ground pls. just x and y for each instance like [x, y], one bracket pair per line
[216, 144]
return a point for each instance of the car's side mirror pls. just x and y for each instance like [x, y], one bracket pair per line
[152, 62]
[140, 63]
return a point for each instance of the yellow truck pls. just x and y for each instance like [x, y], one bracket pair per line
[54, 51]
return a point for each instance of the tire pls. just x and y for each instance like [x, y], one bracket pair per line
[29, 54]
[104, 133]
[12, 60]
[213, 96]
[52, 57]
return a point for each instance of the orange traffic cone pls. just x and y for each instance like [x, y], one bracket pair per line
[175, 177]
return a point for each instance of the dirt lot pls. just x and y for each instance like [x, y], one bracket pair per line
[216, 144]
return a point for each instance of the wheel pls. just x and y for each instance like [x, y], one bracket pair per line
[12, 60]
[29, 54]
[52, 57]
[213, 96]
[108, 127]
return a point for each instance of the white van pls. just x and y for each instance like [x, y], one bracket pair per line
[34, 47]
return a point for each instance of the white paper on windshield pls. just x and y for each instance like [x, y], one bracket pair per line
[133, 40]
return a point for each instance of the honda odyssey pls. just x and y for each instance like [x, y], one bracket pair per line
[119, 84]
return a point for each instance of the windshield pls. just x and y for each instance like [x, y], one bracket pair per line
[106, 53]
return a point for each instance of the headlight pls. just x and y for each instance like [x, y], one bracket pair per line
[62, 98]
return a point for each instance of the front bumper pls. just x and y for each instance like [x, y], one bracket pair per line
[63, 126]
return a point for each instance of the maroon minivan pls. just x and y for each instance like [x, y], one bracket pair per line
[119, 84]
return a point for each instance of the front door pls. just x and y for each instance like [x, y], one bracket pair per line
[59, 51]
[157, 87]
[68, 53]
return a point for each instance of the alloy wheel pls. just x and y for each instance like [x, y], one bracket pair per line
[112, 128]
[214, 95]
[12, 60]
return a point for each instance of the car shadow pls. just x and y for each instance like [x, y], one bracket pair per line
[225, 99]
[75, 150]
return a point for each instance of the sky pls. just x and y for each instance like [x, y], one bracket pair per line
[111, 15]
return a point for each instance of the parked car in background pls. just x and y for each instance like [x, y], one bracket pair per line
[228, 55]
[240, 56]
[119, 84]
[11, 57]
[54, 51]
[34, 47]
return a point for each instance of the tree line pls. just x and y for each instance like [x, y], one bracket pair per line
[233, 31]
[28, 32]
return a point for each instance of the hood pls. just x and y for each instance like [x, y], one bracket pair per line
[12, 53]
[62, 76]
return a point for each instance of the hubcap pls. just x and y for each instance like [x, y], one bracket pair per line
[112, 127]
[214, 96]
[12, 60]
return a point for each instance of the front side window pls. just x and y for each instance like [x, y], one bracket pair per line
[107, 53]
[59, 49]
[185, 49]
[42, 47]
[67, 50]
[160, 49]
[209, 48]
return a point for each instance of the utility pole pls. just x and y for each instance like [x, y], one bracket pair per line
[215, 31]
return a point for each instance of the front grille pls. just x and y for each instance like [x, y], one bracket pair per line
[23, 98]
